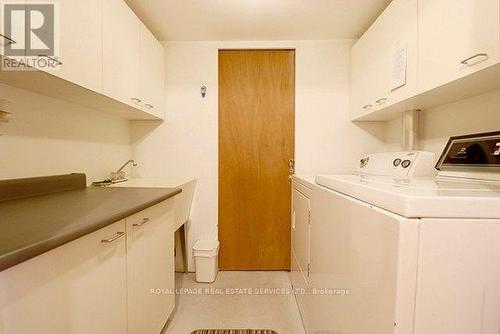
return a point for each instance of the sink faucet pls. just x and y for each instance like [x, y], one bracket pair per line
[125, 165]
[120, 174]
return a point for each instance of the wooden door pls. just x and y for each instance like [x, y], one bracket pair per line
[256, 140]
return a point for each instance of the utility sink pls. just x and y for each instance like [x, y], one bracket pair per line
[183, 201]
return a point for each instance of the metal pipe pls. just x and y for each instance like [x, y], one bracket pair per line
[411, 130]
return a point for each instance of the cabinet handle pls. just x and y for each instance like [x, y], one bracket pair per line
[136, 100]
[8, 39]
[381, 101]
[466, 61]
[144, 221]
[368, 106]
[149, 106]
[51, 58]
[116, 237]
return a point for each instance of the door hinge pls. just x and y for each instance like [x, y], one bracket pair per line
[291, 166]
[308, 270]
[309, 217]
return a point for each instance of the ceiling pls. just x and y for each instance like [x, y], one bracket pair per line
[244, 20]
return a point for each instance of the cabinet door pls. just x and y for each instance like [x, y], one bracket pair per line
[397, 62]
[299, 275]
[150, 265]
[301, 214]
[15, 36]
[152, 73]
[121, 53]
[80, 43]
[457, 38]
[363, 75]
[78, 288]
[374, 61]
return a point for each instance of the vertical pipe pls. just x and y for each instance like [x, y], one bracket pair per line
[411, 130]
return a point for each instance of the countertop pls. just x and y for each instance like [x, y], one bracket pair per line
[35, 225]
[154, 182]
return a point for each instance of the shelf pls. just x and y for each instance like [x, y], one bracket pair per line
[478, 83]
[49, 85]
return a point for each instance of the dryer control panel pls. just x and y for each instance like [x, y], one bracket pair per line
[474, 157]
[472, 152]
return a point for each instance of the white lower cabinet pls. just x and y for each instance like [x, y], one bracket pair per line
[78, 288]
[150, 268]
[117, 280]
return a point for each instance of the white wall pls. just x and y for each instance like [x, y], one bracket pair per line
[46, 136]
[186, 145]
[473, 115]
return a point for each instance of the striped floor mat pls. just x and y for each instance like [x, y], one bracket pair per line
[234, 331]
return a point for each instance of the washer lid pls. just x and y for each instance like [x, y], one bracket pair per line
[420, 198]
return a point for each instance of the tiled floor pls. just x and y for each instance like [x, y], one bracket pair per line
[224, 310]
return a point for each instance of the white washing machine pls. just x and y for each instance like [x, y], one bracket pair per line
[417, 253]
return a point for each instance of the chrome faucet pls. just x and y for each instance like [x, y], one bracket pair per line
[125, 165]
[120, 174]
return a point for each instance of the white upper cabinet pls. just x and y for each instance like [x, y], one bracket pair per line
[80, 43]
[107, 58]
[121, 50]
[363, 68]
[133, 60]
[152, 73]
[457, 38]
[384, 60]
[15, 36]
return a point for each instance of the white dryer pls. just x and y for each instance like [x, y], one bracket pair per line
[418, 253]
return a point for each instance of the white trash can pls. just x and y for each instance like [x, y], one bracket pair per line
[206, 256]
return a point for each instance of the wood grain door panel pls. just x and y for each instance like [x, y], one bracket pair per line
[256, 140]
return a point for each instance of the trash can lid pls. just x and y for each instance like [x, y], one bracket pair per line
[206, 245]
[206, 248]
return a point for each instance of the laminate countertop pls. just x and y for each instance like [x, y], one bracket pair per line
[35, 225]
